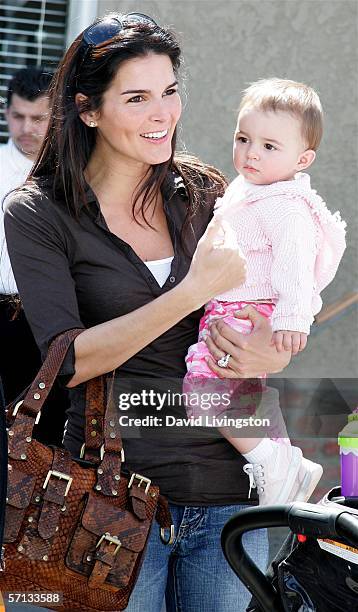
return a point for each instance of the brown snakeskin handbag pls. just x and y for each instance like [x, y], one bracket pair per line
[75, 532]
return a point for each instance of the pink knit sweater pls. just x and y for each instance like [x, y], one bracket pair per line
[292, 242]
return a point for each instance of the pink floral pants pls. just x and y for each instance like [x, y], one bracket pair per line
[249, 396]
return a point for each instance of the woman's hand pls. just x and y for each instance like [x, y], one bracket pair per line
[251, 355]
[218, 263]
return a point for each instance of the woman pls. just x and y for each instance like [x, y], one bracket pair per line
[3, 468]
[107, 231]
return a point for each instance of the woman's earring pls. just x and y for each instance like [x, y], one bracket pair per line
[93, 124]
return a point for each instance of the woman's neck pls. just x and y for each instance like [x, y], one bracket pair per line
[114, 181]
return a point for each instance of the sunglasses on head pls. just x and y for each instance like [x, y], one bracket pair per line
[104, 30]
[108, 28]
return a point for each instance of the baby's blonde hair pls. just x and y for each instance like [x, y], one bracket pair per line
[292, 97]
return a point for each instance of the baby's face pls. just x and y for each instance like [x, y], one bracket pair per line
[268, 146]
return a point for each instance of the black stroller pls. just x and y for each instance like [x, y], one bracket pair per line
[316, 570]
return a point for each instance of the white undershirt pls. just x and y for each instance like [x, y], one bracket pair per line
[160, 268]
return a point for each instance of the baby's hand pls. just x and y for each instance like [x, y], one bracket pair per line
[289, 341]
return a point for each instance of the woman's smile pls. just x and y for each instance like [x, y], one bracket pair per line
[156, 137]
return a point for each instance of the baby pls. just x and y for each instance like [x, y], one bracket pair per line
[293, 245]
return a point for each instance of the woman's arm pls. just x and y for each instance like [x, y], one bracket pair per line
[216, 266]
[251, 355]
[40, 254]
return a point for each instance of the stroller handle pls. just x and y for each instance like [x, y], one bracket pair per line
[303, 518]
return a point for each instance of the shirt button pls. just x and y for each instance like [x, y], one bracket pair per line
[172, 279]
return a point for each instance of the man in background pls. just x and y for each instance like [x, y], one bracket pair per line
[27, 114]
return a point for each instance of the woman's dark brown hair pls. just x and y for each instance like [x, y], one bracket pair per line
[69, 142]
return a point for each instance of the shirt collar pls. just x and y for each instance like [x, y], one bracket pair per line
[174, 184]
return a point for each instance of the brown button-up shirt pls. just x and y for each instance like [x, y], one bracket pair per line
[75, 273]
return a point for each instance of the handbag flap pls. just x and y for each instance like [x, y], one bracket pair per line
[100, 517]
[20, 487]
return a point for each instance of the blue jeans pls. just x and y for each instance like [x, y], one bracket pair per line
[192, 574]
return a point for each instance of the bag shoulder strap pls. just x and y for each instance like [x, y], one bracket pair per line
[102, 431]
[44, 380]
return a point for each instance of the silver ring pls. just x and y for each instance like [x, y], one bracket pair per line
[223, 362]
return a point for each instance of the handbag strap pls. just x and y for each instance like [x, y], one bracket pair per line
[27, 412]
[102, 430]
[44, 381]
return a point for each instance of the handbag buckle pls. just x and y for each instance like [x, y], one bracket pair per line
[141, 480]
[16, 410]
[59, 475]
[112, 540]
[102, 453]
